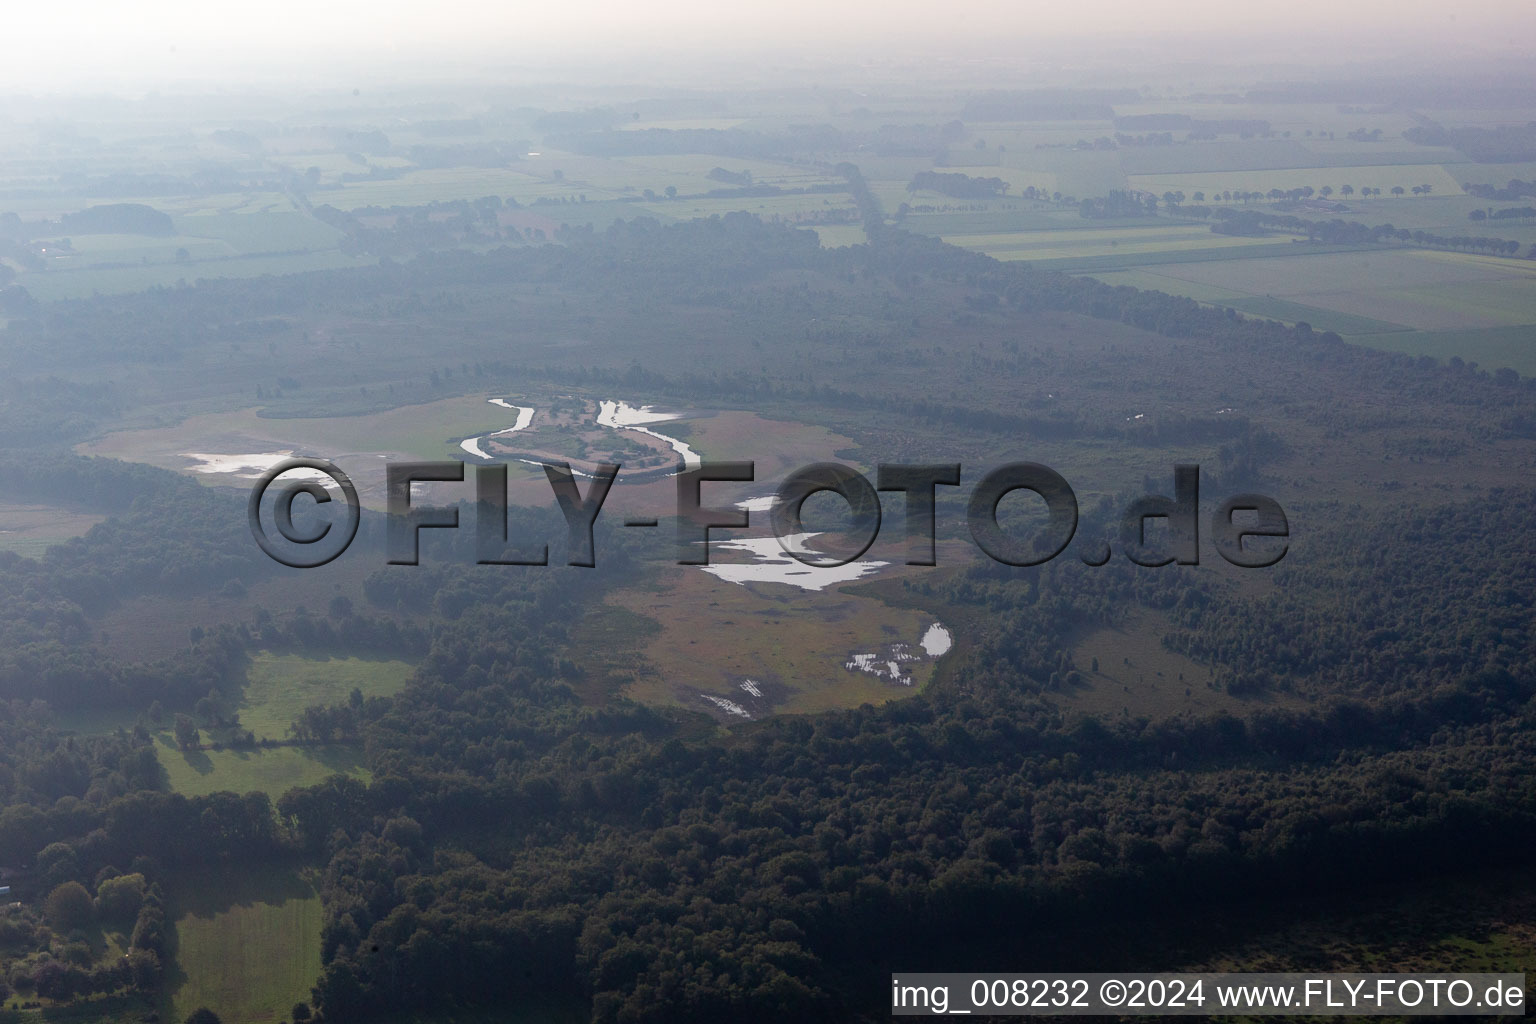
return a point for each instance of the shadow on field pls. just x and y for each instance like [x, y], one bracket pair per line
[208, 893]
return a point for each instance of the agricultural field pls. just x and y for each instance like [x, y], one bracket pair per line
[1384, 177]
[247, 943]
[791, 208]
[834, 236]
[1423, 302]
[418, 188]
[1093, 242]
[249, 233]
[1444, 215]
[1490, 348]
[1420, 289]
[1018, 217]
[1018, 179]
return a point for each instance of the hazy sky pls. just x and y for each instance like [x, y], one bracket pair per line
[49, 44]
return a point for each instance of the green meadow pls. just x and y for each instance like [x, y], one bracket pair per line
[247, 943]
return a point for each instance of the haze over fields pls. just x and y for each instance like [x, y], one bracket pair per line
[1209, 328]
[55, 48]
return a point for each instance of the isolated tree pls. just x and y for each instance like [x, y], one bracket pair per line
[203, 1015]
[1327, 190]
[144, 969]
[1397, 190]
[671, 191]
[119, 899]
[186, 732]
[69, 907]
[1346, 190]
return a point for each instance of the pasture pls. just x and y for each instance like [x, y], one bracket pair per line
[247, 943]
[280, 686]
[30, 529]
[273, 771]
[1139, 677]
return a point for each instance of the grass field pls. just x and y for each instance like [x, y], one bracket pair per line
[1422, 302]
[1320, 319]
[278, 689]
[1381, 176]
[107, 250]
[275, 231]
[82, 283]
[1256, 305]
[835, 236]
[1416, 288]
[429, 431]
[1484, 924]
[418, 188]
[29, 529]
[1490, 348]
[1075, 172]
[1095, 242]
[280, 686]
[1253, 249]
[709, 636]
[1137, 676]
[1023, 216]
[1018, 178]
[789, 207]
[247, 943]
[274, 771]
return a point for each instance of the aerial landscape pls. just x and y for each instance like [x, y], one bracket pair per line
[1166, 604]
